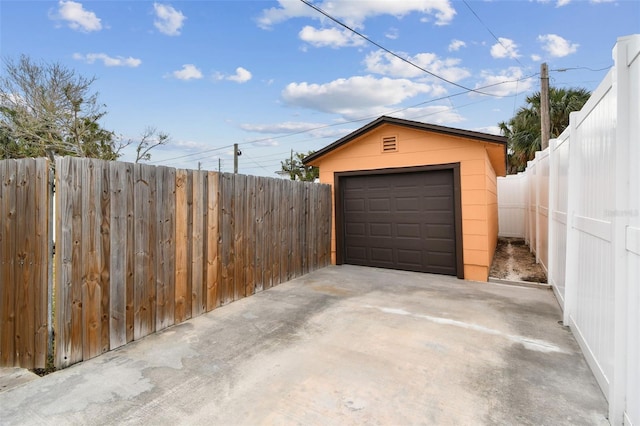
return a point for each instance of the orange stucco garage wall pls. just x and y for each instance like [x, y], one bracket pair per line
[419, 148]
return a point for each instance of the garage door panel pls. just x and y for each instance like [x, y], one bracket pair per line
[437, 218]
[379, 254]
[407, 204]
[400, 220]
[442, 204]
[379, 205]
[380, 230]
[408, 230]
[410, 257]
[356, 229]
[354, 205]
[441, 260]
[437, 230]
[357, 254]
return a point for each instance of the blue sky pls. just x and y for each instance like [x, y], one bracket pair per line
[274, 76]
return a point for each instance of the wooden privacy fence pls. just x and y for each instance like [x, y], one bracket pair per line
[140, 248]
[24, 262]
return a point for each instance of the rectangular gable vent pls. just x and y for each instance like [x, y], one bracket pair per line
[389, 144]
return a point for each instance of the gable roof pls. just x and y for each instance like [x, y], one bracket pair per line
[467, 134]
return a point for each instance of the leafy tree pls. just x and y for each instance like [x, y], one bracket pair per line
[523, 130]
[297, 170]
[47, 109]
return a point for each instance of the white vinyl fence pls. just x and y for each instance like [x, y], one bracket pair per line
[578, 207]
[523, 206]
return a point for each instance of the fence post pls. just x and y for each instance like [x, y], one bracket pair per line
[537, 198]
[551, 227]
[52, 211]
[620, 221]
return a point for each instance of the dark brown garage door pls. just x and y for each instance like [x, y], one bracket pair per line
[400, 221]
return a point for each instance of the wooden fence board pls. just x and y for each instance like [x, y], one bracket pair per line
[41, 262]
[24, 287]
[166, 208]
[143, 275]
[181, 246]
[64, 246]
[198, 303]
[213, 241]
[77, 259]
[130, 253]
[267, 244]
[228, 237]
[259, 236]
[8, 307]
[91, 249]
[104, 199]
[118, 272]
[238, 244]
[249, 236]
[4, 235]
[188, 308]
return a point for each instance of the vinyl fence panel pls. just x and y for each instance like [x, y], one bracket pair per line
[511, 206]
[558, 196]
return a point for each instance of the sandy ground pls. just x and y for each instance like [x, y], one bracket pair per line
[514, 261]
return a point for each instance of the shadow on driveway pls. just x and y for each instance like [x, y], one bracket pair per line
[342, 345]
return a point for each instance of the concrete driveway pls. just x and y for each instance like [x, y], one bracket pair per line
[342, 345]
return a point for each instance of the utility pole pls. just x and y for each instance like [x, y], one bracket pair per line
[236, 154]
[219, 165]
[291, 175]
[545, 121]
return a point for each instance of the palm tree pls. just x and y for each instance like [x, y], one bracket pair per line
[523, 130]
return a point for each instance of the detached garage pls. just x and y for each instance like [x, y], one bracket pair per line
[414, 196]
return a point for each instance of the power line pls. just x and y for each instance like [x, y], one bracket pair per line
[359, 34]
[581, 68]
[490, 32]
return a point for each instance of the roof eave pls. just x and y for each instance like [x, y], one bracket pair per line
[482, 137]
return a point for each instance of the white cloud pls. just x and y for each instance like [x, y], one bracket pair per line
[557, 46]
[316, 130]
[435, 114]
[354, 13]
[266, 142]
[168, 21]
[392, 33]
[241, 76]
[284, 127]
[332, 37]
[492, 130]
[381, 62]
[505, 83]
[505, 48]
[191, 145]
[536, 58]
[77, 17]
[108, 61]
[455, 45]
[188, 72]
[353, 97]
[562, 3]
